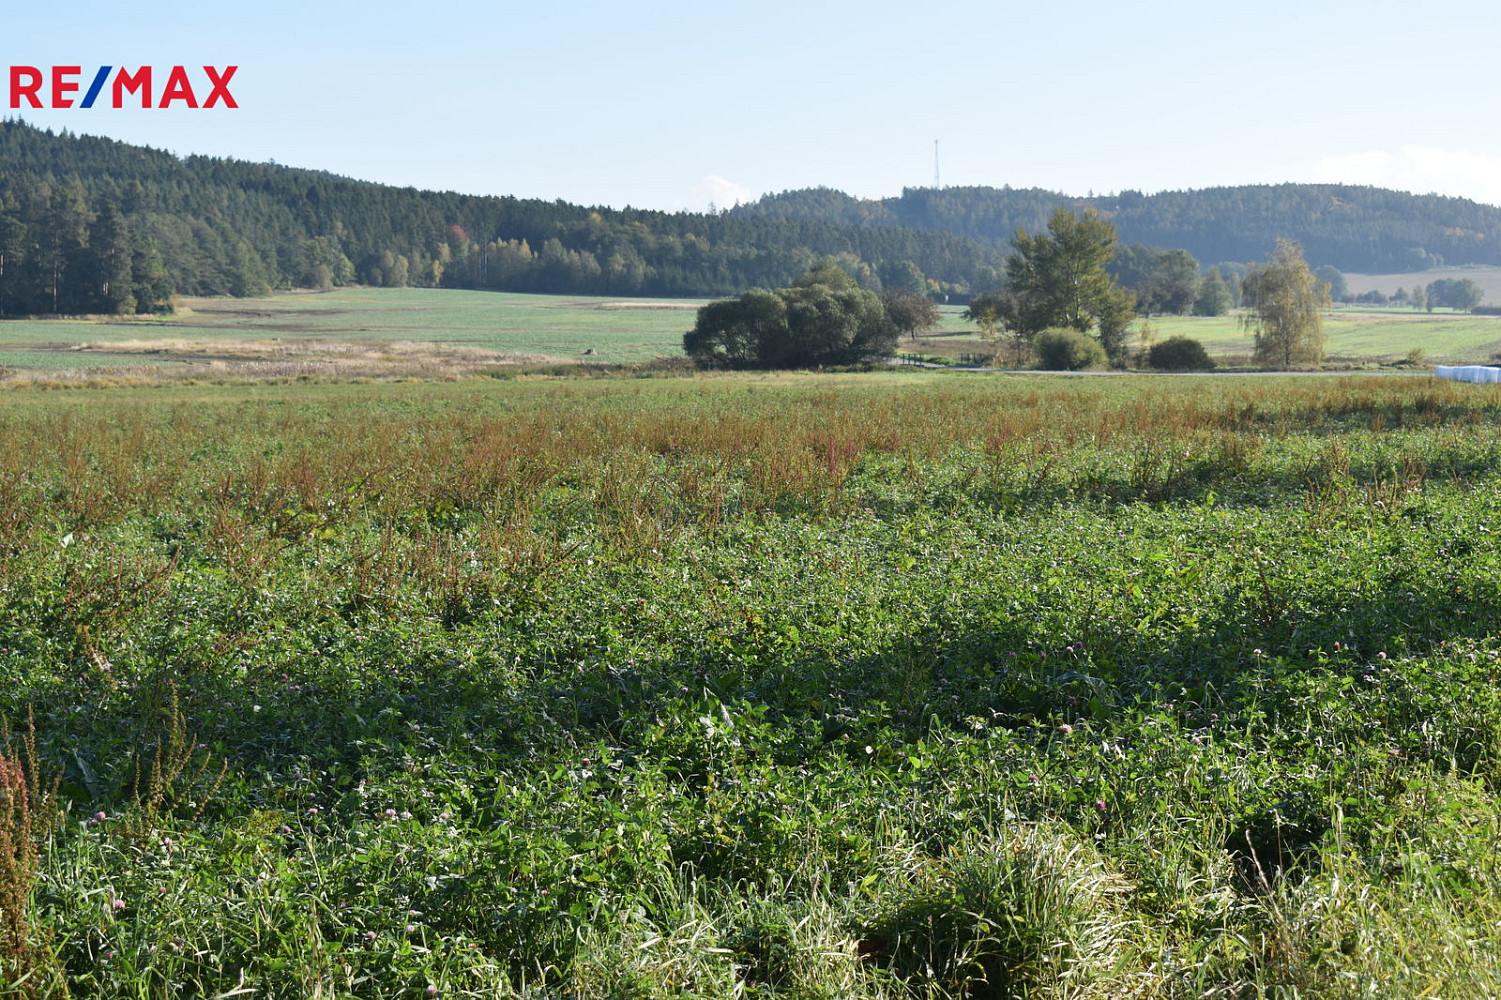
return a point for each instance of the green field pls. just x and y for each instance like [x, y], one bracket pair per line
[1356, 336]
[531, 328]
[883, 685]
[1363, 335]
[352, 332]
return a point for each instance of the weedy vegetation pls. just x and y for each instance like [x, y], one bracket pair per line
[813, 686]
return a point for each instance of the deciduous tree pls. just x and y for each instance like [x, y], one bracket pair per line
[1058, 279]
[1335, 279]
[1214, 295]
[1171, 286]
[910, 313]
[997, 312]
[826, 318]
[1285, 307]
[1459, 294]
[903, 276]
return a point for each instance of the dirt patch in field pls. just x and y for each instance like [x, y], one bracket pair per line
[41, 346]
[643, 305]
[231, 309]
[261, 319]
[277, 358]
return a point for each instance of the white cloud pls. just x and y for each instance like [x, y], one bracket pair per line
[1420, 169]
[712, 189]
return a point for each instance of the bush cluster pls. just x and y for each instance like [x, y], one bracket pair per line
[825, 319]
[1066, 350]
[1180, 354]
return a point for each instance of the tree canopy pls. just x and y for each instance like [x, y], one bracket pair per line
[1214, 295]
[1180, 354]
[1057, 279]
[1172, 287]
[71, 205]
[909, 312]
[825, 318]
[1355, 228]
[1163, 281]
[1459, 294]
[1285, 305]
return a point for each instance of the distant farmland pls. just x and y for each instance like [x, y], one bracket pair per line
[1488, 278]
[521, 328]
[428, 332]
[1363, 335]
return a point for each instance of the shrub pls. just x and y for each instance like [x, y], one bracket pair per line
[1180, 354]
[1068, 350]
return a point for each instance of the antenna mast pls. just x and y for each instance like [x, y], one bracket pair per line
[937, 182]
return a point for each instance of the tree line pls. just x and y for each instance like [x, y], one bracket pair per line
[1063, 297]
[1350, 227]
[73, 208]
[1459, 294]
[1067, 292]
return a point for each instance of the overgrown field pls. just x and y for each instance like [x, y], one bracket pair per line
[797, 686]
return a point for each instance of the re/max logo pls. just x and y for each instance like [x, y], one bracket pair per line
[27, 83]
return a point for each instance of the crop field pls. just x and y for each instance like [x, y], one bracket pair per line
[1488, 278]
[325, 328]
[883, 685]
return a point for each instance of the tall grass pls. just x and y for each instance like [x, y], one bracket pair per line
[808, 686]
[28, 815]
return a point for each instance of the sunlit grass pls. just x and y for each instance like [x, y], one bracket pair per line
[809, 685]
[565, 327]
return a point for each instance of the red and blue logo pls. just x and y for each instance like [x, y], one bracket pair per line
[30, 87]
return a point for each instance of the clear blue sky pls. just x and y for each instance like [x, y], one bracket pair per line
[668, 105]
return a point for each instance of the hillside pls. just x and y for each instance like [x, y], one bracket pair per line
[1352, 228]
[89, 224]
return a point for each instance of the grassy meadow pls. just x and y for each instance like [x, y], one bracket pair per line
[1358, 336]
[316, 329]
[884, 685]
[430, 333]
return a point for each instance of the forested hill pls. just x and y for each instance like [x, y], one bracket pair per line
[93, 225]
[1351, 228]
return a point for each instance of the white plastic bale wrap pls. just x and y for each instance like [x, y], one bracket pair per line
[1469, 373]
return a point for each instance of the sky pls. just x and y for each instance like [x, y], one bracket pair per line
[680, 106]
